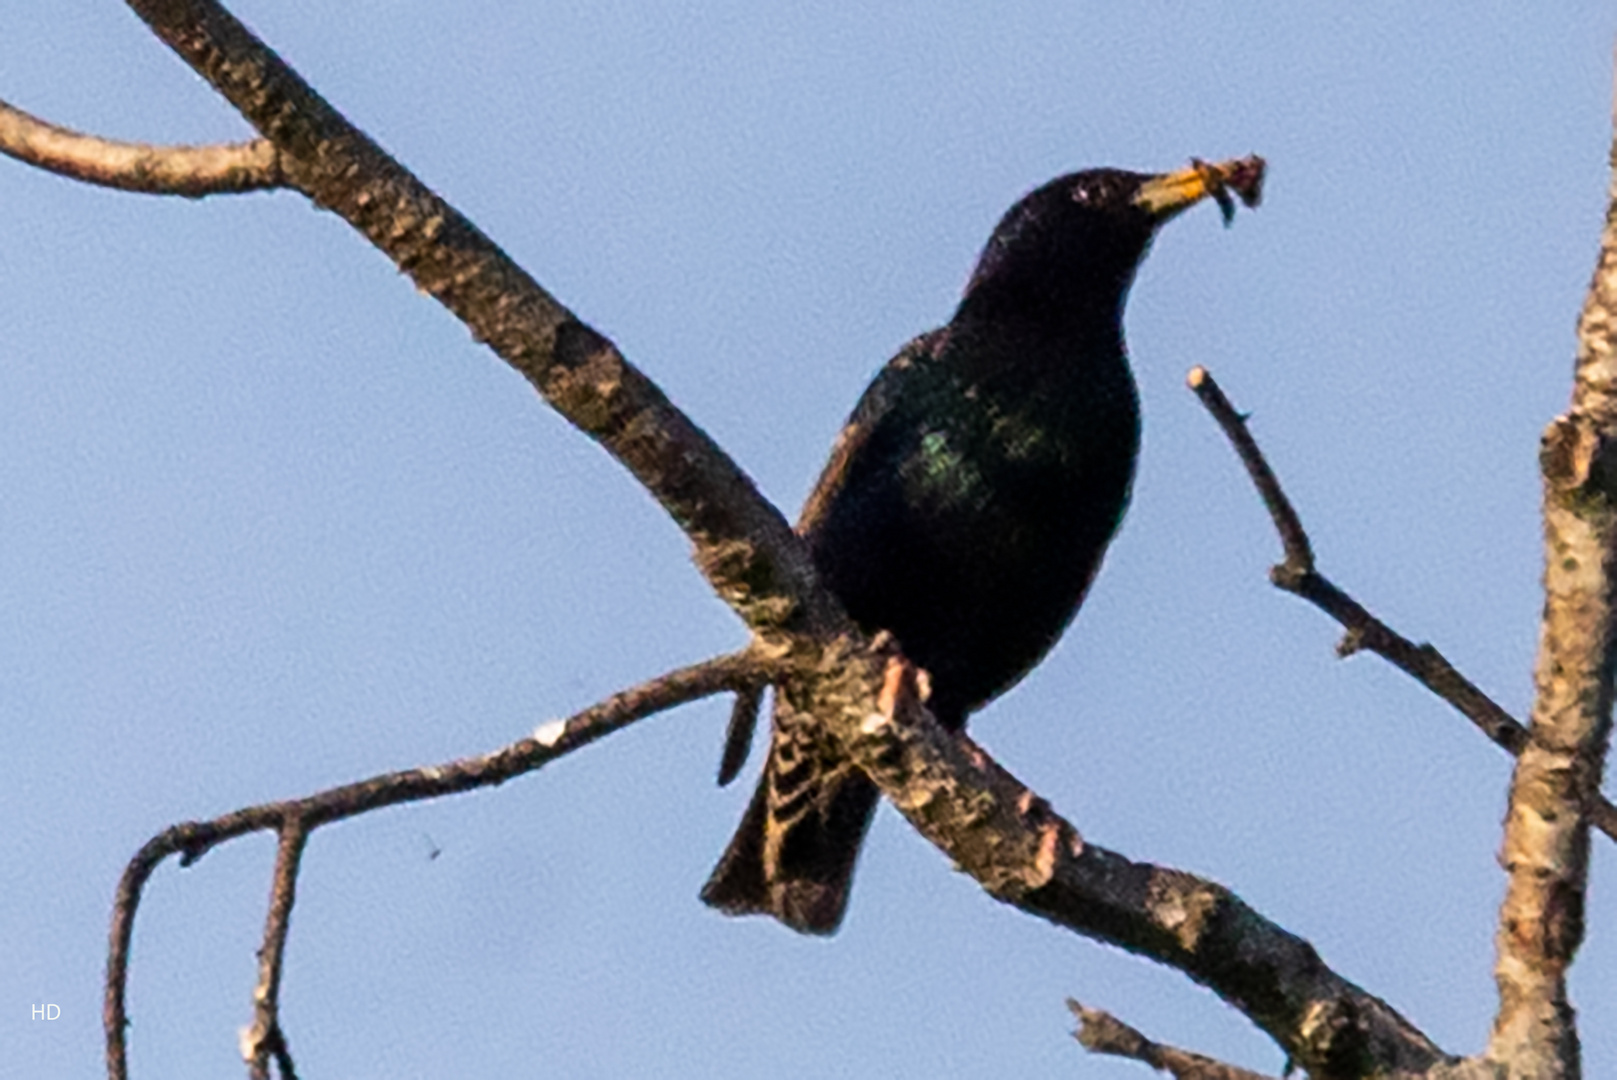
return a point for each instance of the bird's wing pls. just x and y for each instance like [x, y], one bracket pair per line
[873, 405]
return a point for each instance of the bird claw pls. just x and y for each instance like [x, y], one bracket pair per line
[904, 685]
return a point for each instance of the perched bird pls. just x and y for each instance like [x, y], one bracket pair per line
[967, 504]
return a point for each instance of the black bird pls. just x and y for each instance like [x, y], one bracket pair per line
[967, 504]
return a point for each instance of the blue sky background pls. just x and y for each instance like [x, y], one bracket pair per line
[270, 521]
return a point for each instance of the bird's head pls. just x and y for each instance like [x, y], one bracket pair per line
[1075, 242]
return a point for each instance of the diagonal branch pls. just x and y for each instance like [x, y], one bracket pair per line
[988, 823]
[1024, 854]
[192, 171]
[1297, 575]
[295, 819]
[1102, 1033]
[743, 545]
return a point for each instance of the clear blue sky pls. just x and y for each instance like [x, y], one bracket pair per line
[271, 521]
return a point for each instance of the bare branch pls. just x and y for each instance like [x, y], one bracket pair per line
[1025, 854]
[294, 819]
[993, 827]
[192, 171]
[1297, 575]
[743, 545]
[1102, 1033]
[1293, 538]
[1545, 850]
[265, 1041]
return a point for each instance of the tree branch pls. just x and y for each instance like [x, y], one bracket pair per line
[744, 546]
[1026, 855]
[992, 826]
[1545, 850]
[1298, 576]
[295, 819]
[191, 171]
[1102, 1033]
[265, 1041]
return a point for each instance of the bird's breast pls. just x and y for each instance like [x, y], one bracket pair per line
[973, 522]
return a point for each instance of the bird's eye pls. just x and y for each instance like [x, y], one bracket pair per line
[1083, 195]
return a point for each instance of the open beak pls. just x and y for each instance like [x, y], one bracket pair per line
[1171, 193]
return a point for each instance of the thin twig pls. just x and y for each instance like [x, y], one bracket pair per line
[1293, 537]
[299, 817]
[265, 1041]
[1102, 1033]
[191, 171]
[1297, 575]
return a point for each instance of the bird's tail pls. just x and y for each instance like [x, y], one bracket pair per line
[793, 855]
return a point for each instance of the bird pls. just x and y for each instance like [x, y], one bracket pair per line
[967, 504]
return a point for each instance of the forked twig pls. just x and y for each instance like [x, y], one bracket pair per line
[295, 819]
[1297, 575]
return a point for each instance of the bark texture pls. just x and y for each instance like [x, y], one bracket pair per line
[1557, 779]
